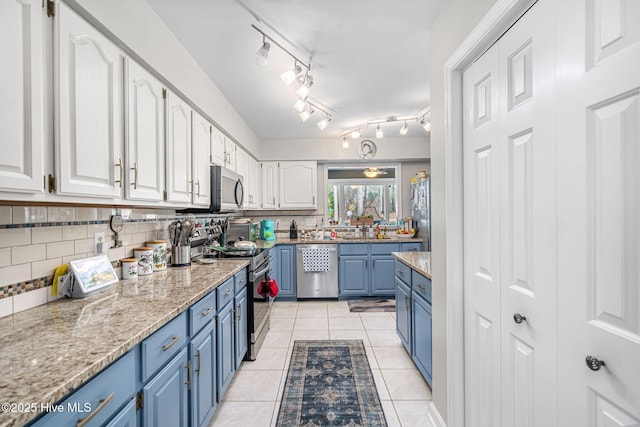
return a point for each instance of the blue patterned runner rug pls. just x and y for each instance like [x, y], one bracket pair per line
[329, 383]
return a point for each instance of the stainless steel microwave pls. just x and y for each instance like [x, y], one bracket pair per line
[227, 192]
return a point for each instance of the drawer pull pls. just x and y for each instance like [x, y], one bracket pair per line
[233, 314]
[228, 292]
[188, 381]
[103, 402]
[173, 341]
[420, 286]
[401, 273]
[206, 312]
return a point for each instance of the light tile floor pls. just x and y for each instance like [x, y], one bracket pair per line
[255, 393]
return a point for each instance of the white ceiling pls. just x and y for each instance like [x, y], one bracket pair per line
[369, 59]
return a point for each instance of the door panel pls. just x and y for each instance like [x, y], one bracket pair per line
[598, 211]
[201, 144]
[179, 182]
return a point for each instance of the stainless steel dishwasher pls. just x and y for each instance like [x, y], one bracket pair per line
[317, 270]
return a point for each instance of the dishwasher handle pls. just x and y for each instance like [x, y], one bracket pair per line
[330, 249]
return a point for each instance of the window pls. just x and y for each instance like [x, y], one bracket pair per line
[354, 199]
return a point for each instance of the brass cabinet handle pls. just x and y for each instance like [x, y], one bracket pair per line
[420, 286]
[233, 313]
[401, 273]
[206, 312]
[135, 176]
[173, 341]
[119, 165]
[228, 292]
[197, 370]
[188, 381]
[103, 402]
[198, 186]
[191, 185]
[314, 200]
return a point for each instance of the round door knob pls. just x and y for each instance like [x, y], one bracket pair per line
[519, 318]
[593, 363]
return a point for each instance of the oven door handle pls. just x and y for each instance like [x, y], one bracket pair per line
[260, 273]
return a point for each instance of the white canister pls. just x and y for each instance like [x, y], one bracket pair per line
[144, 256]
[159, 254]
[129, 268]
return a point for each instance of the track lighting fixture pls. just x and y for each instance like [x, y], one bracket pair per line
[262, 55]
[289, 76]
[322, 124]
[303, 90]
[379, 133]
[404, 129]
[304, 116]
[426, 124]
[345, 142]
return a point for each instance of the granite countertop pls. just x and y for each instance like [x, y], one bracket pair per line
[50, 350]
[288, 241]
[418, 261]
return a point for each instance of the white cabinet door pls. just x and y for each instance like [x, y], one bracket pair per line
[231, 149]
[89, 109]
[242, 169]
[145, 131]
[218, 152]
[269, 185]
[179, 183]
[201, 136]
[21, 62]
[298, 185]
[255, 188]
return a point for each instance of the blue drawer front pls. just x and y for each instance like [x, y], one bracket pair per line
[162, 345]
[421, 285]
[202, 312]
[111, 388]
[403, 272]
[411, 247]
[384, 248]
[353, 248]
[225, 293]
[240, 279]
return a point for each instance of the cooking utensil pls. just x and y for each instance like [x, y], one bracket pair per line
[244, 244]
[172, 232]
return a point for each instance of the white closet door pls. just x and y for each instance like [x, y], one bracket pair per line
[21, 62]
[509, 155]
[599, 212]
[482, 241]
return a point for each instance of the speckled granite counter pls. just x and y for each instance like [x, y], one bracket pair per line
[288, 241]
[418, 261]
[48, 351]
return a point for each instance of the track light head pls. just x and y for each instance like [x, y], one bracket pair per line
[356, 134]
[425, 124]
[262, 55]
[345, 142]
[303, 90]
[304, 116]
[289, 76]
[404, 129]
[299, 105]
[379, 133]
[322, 124]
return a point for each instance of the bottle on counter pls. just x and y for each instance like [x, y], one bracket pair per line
[370, 234]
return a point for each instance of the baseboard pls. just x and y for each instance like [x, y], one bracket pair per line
[435, 417]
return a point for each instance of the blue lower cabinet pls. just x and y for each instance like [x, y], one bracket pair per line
[411, 247]
[101, 398]
[166, 396]
[127, 417]
[286, 270]
[403, 314]
[382, 275]
[421, 335]
[353, 275]
[241, 339]
[203, 380]
[225, 348]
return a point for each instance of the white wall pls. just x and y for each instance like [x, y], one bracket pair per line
[137, 26]
[389, 148]
[454, 22]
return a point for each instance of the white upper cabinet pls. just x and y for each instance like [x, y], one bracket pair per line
[218, 151]
[253, 188]
[298, 185]
[21, 62]
[179, 182]
[231, 149]
[242, 168]
[201, 131]
[269, 185]
[89, 108]
[145, 143]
